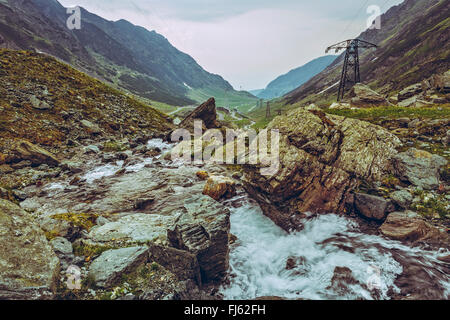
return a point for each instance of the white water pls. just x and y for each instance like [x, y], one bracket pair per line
[258, 258]
[106, 170]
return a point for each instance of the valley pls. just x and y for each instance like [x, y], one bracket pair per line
[94, 204]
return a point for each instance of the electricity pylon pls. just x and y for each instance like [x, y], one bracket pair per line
[350, 72]
[268, 110]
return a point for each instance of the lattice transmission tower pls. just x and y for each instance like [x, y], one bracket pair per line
[350, 71]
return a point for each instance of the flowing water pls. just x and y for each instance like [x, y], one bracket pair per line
[258, 260]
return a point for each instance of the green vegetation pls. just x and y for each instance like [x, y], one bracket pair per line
[224, 98]
[393, 112]
[68, 89]
[83, 220]
[431, 205]
[113, 146]
[89, 251]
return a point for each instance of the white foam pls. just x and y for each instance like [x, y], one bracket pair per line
[102, 171]
[159, 143]
[258, 259]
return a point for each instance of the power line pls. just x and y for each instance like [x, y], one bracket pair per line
[355, 17]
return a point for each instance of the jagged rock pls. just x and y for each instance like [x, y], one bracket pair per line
[441, 82]
[21, 164]
[419, 167]
[61, 245]
[91, 127]
[435, 99]
[339, 106]
[38, 104]
[402, 198]
[407, 226]
[410, 102]
[131, 229]
[205, 112]
[91, 149]
[25, 150]
[107, 269]
[362, 95]
[218, 187]
[203, 231]
[322, 158]
[371, 207]
[28, 265]
[409, 92]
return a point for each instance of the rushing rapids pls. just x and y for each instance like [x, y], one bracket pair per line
[377, 266]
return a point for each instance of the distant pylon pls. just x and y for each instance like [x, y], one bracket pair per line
[350, 72]
[268, 110]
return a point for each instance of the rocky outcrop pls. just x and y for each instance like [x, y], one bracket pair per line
[25, 150]
[322, 159]
[372, 207]
[204, 231]
[408, 226]
[362, 96]
[28, 265]
[419, 168]
[205, 112]
[108, 269]
[409, 92]
[218, 187]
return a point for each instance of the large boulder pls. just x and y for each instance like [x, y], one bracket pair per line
[407, 226]
[371, 207]
[409, 92]
[322, 158]
[218, 187]
[132, 229]
[28, 265]
[203, 230]
[441, 82]
[419, 167]
[25, 150]
[363, 96]
[205, 112]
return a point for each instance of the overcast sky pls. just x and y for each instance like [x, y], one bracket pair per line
[248, 42]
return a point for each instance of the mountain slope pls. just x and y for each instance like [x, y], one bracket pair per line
[413, 44]
[295, 78]
[49, 103]
[128, 56]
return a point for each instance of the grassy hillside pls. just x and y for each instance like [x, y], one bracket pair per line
[126, 56]
[68, 97]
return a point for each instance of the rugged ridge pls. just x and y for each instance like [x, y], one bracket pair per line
[413, 45]
[127, 56]
[323, 158]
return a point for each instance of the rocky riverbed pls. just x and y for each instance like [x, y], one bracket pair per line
[133, 225]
